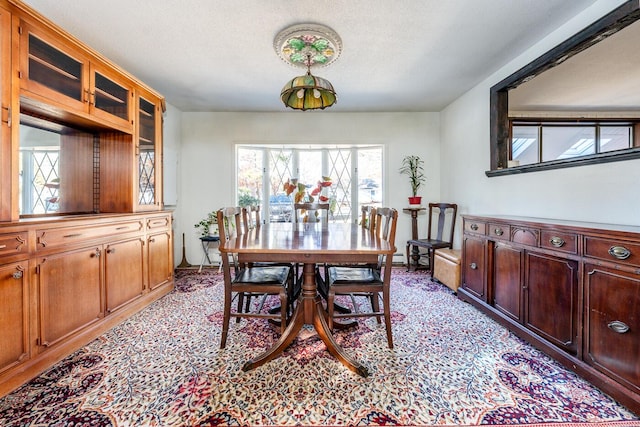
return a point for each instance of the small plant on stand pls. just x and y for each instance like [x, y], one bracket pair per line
[412, 166]
[209, 225]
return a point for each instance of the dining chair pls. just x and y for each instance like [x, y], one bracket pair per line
[251, 220]
[446, 213]
[311, 212]
[370, 281]
[249, 279]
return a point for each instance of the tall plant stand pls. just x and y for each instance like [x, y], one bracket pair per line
[415, 256]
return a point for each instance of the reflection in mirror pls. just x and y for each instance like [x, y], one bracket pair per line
[57, 165]
[577, 104]
[39, 182]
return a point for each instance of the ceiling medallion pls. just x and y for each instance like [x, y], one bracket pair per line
[308, 45]
[314, 42]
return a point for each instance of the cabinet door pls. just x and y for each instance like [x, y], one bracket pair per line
[6, 184]
[507, 286]
[52, 69]
[613, 324]
[160, 258]
[474, 266]
[111, 98]
[14, 306]
[70, 293]
[123, 273]
[551, 299]
[149, 153]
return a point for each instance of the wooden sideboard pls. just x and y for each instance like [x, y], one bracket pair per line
[572, 289]
[64, 282]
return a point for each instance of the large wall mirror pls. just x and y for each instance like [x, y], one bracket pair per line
[577, 104]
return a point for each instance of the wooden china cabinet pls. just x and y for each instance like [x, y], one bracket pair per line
[84, 239]
[572, 289]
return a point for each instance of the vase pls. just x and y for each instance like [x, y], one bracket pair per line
[415, 200]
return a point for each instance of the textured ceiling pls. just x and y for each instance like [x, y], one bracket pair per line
[218, 55]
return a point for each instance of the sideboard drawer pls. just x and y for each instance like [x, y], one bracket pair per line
[476, 227]
[499, 231]
[13, 243]
[55, 237]
[158, 222]
[612, 250]
[559, 241]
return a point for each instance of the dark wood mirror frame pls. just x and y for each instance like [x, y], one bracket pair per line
[611, 23]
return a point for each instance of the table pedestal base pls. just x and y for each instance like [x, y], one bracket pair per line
[309, 311]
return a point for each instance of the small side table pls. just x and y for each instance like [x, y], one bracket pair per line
[206, 243]
[414, 233]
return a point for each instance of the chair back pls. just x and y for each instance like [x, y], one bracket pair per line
[311, 212]
[251, 217]
[368, 217]
[446, 215]
[385, 220]
[229, 222]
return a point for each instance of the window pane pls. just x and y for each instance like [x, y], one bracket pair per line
[524, 144]
[615, 138]
[370, 177]
[340, 196]
[565, 142]
[249, 176]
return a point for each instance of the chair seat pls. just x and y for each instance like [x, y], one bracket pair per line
[429, 243]
[349, 275]
[263, 275]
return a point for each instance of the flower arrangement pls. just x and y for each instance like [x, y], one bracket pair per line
[302, 193]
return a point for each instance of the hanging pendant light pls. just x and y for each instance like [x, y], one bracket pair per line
[308, 92]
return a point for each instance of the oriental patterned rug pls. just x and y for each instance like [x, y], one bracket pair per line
[451, 365]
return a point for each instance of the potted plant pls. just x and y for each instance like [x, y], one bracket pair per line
[209, 225]
[412, 166]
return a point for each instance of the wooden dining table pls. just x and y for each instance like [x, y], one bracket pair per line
[308, 244]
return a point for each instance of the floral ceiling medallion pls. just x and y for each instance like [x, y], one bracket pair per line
[308, 45]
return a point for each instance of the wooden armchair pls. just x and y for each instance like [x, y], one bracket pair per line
[446, 215]
[368, 281]
[247, 280]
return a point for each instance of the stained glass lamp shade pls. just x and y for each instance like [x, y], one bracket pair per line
[308, 92]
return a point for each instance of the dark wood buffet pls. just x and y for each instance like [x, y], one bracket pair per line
[571, 289]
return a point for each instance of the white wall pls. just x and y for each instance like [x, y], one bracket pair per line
[207, 170]
[606, 193]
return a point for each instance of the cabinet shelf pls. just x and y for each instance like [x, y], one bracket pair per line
[53, 67]
[110, 96]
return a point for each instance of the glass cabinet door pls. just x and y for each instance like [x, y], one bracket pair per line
[147, 137]
[111, 99]
[51, 72]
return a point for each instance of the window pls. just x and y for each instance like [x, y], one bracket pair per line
[355, 173]
[533, 143]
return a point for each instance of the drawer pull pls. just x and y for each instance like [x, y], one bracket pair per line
[619, 252]
[474, 227]
[73, 235]
[498, 231]
[111, 251]
[122, 228]
[3, 246]
[557, 242]
[17, 274]
[618, 326]
[473, 266]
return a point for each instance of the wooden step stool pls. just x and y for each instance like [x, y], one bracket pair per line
[446, 267]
